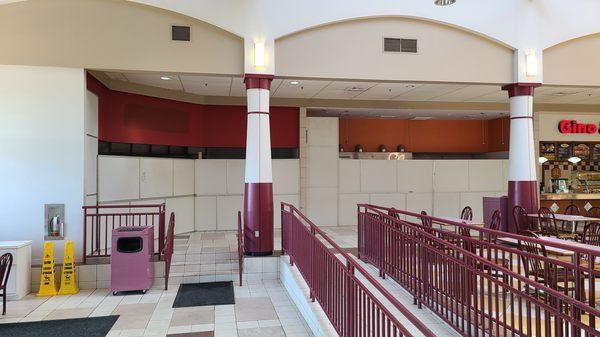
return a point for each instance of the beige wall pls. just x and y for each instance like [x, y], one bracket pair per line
[354, 49]
[548, 126]
[574, 62]
[112, 34]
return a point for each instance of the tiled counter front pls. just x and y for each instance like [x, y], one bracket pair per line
[440, 187]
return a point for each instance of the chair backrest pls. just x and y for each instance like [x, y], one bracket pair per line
[591, 234]
[392, 212]
[547, 221]
[467, 243]
[6, 261]
[521, 219]
[426, 221]
[467, 213]
[496, 219]
[531, 265]
[594, 212]
[572, 210]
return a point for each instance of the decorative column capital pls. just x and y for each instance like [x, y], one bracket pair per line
[520, 89]
[258, 81]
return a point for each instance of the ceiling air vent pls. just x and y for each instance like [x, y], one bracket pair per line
[399, 45]
[180, 33]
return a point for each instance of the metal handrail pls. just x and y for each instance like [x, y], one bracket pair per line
[351, 266]
[431, 249]
[97, 226]
[168, 249]
[240, 237]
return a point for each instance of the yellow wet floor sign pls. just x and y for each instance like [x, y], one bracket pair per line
[47, 282]
[68, 279]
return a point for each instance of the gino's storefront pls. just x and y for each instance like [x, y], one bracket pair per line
[568, 145]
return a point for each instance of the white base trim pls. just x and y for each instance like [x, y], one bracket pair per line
[312, 312]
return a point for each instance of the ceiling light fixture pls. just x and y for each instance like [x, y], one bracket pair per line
[294, 82]
[574, 160]
[165, 78]
[542, 160]
[444, 2]
[259, 54]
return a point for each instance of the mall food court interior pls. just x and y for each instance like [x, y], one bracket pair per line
[314, 168]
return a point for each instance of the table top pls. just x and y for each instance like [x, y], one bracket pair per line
[556, 250]
[455, 219]
[566, 217]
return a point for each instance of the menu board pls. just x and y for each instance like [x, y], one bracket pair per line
[582, 151]
[563, 151]
[596, 152]
[548, 150]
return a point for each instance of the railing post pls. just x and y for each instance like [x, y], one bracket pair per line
[350, 295]
[312, 262]
[161, 229]
[84, 234]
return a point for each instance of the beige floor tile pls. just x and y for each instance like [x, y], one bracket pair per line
[254, 309]
[273, 331]
[193, 316]
[69, 313]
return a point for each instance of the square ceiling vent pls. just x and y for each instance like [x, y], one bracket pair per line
[180, 33]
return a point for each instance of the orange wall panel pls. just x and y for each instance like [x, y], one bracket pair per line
[431, 136]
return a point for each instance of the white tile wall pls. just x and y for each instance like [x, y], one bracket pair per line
[446, 204]
[451, 175]
[235, 176]
[486, 175]
[118, 178]
[349, 176]
[211, 177]
[286, 176]
[183, 177]
[322, 166]
[322, 205]
[378, 176]
[323, 131]
[206, 213]
[347, 208]
[183, 208]
[417, 202]
[156, 177]
[227, 209]
[415, 176]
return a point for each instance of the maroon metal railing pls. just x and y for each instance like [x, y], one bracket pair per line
[240, 248]
[478, 285]
[168, 249]
[338, 283]
[99, 221]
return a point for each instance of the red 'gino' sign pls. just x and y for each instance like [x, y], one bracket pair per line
[571, 126]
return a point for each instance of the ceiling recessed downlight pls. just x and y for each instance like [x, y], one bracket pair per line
[444, 2]
[294, 82]
[165, 78]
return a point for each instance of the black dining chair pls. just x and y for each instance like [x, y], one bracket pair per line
[6, 261]
[522, 219]
[594, 212]
[547, 221]
[466, 214]
[591, 234]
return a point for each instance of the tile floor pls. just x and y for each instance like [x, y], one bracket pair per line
[261, 309]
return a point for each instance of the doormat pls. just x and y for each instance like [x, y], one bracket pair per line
[201, 294]
[77, 327]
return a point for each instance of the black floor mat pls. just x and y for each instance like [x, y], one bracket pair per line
[200, 294]
[78, 327]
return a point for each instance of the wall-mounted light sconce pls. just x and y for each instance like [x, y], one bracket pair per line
[531, 64]
[542, 160]
[259, 54]
[574, 160]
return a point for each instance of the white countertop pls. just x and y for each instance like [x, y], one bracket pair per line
[14, 244]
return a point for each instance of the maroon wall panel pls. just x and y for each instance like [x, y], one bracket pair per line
[132, 118]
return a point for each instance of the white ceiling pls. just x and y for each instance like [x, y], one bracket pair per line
[325, 89]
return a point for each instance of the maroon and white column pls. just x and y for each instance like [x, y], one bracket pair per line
[522, 181]
[258, 191]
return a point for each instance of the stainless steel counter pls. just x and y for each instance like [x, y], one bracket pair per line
[570, 196]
